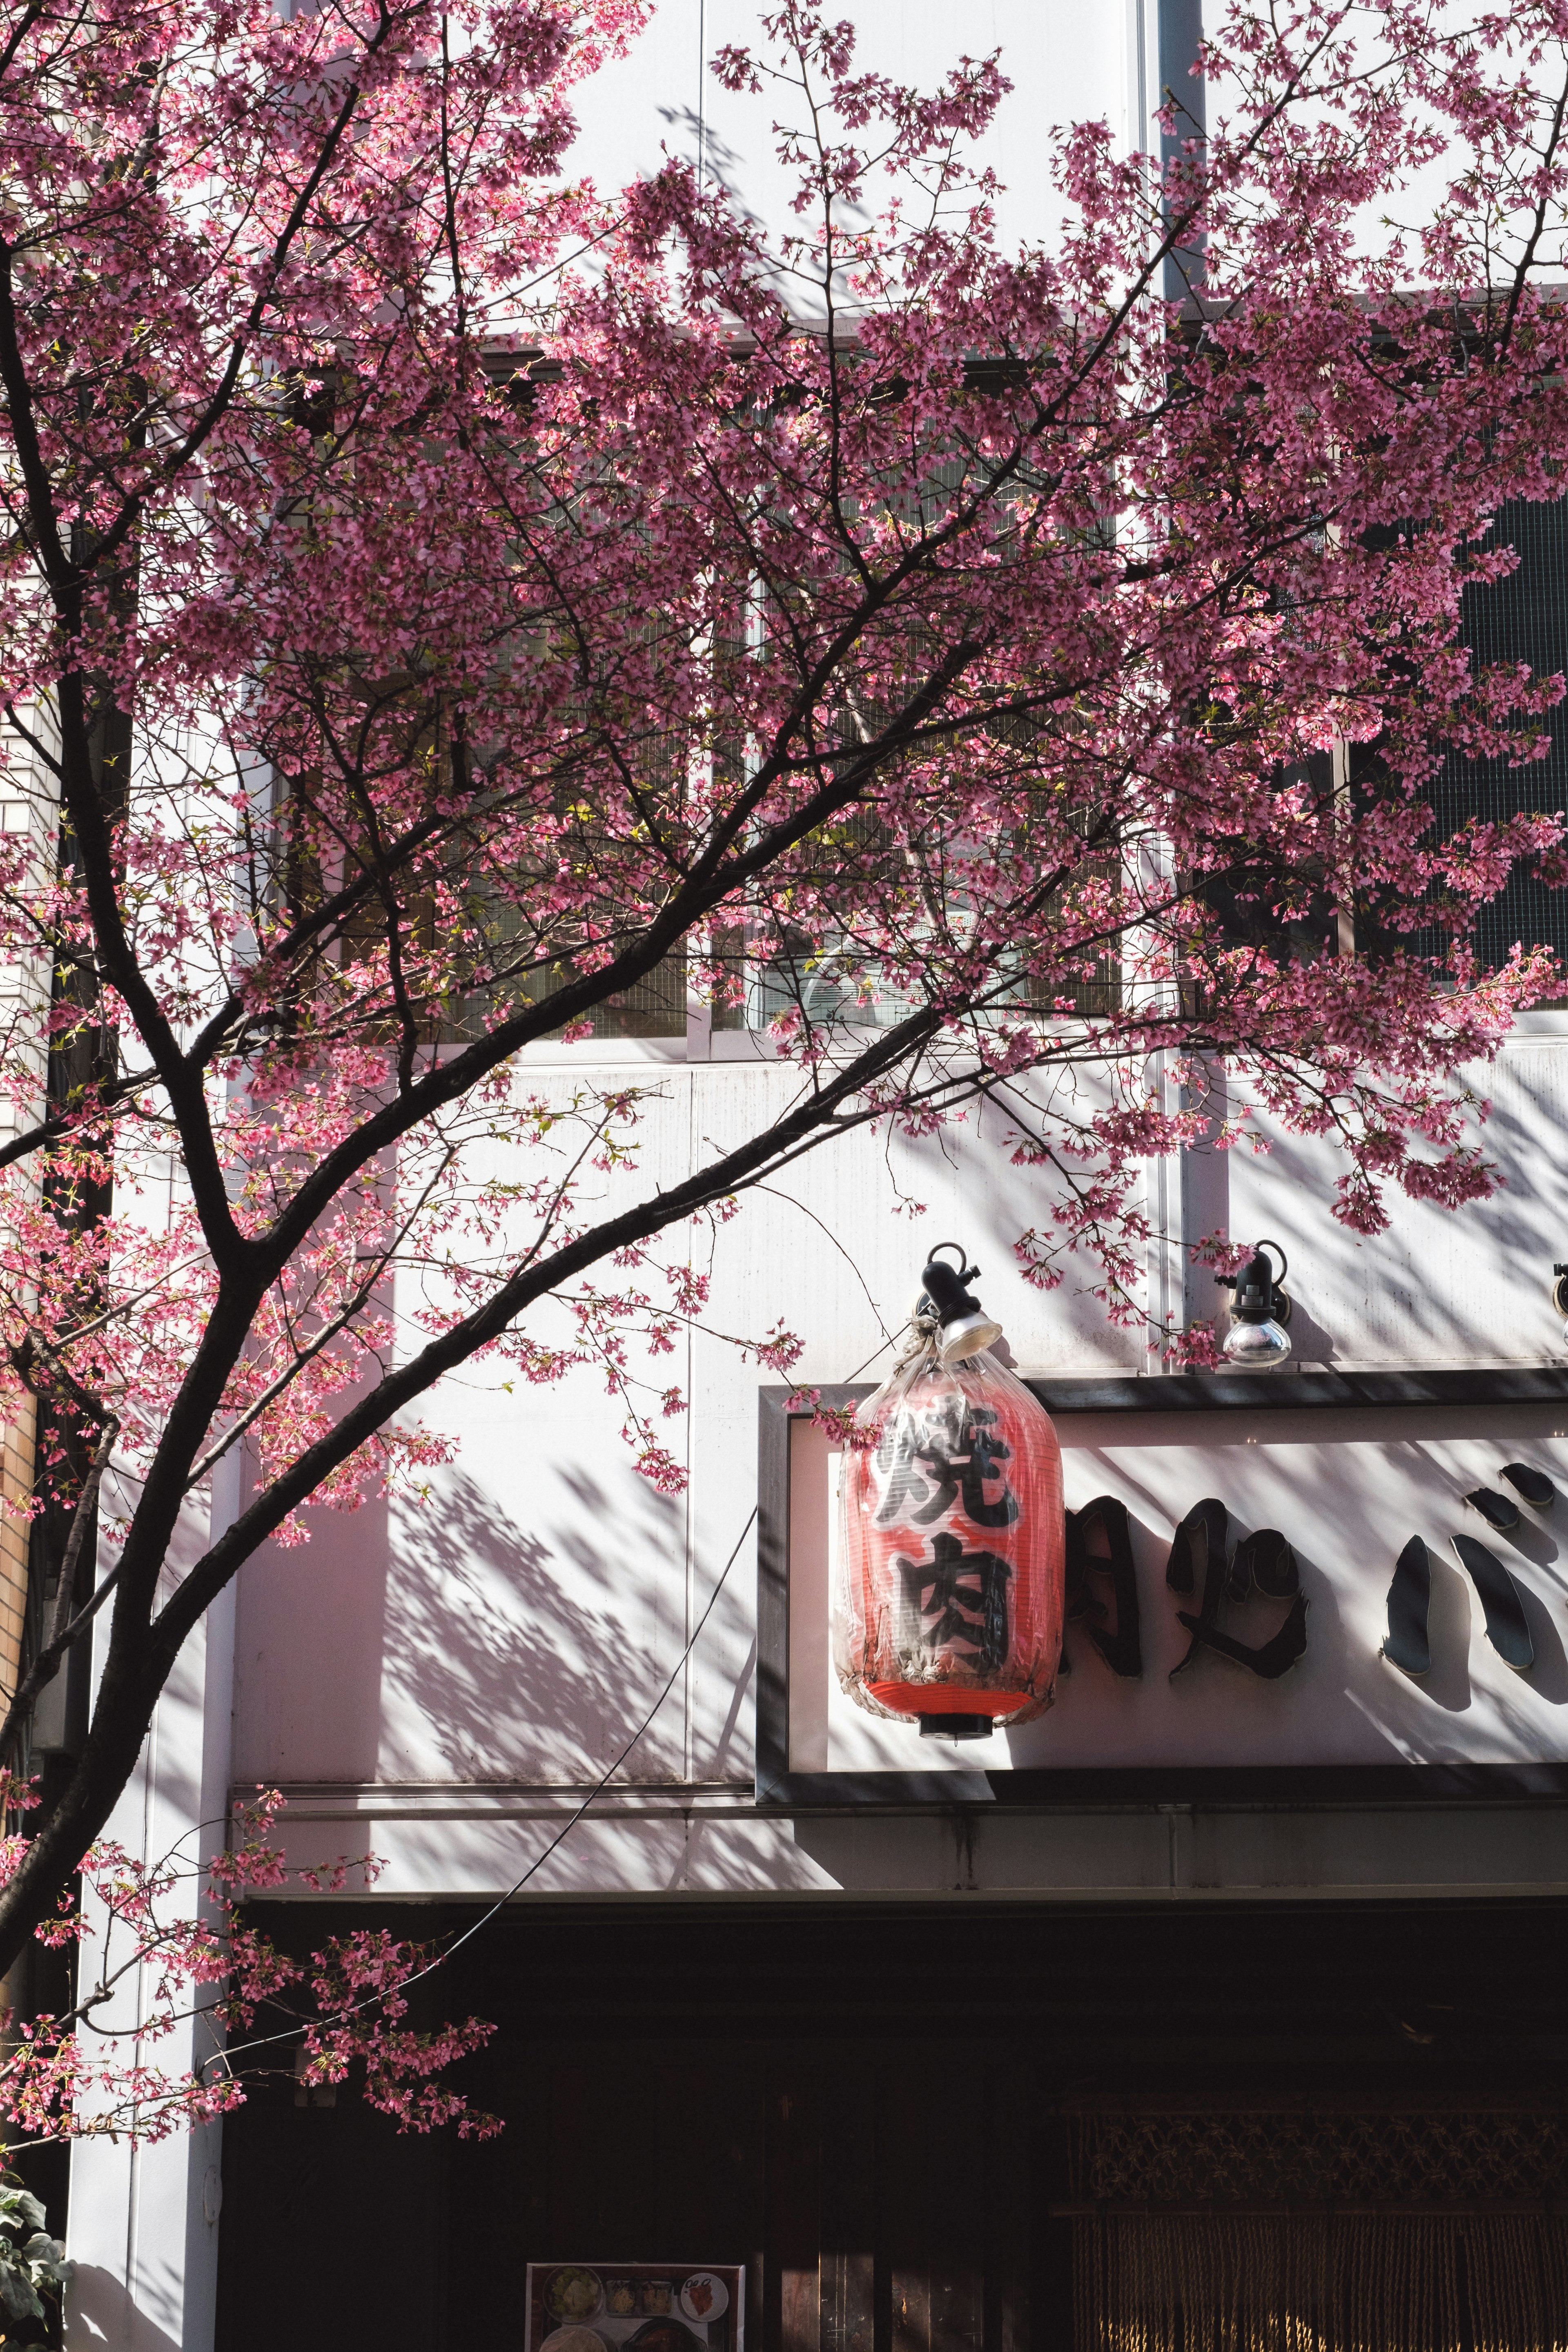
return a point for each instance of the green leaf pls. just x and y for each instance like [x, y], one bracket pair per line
[17, 2296]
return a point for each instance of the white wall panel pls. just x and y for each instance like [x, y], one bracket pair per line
[520, 1621]
[835, 1244]
[1438, 1287]
[435, 1853]
[1066, 64]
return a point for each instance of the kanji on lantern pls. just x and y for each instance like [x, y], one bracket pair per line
[948, 1600]
[959, 1600]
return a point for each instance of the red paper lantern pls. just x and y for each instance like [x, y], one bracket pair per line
[951, 1587]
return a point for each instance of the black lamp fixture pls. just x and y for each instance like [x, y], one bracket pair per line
[1258, 1339]
[963, 1325]
[1560, 1289]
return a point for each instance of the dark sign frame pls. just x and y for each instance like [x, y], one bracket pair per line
[1076, 1787]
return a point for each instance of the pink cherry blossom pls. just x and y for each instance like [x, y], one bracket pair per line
[437, 594]
[339, 2014]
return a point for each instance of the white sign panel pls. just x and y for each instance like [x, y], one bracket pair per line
[1349, 1489]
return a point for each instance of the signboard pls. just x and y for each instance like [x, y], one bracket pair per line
[635, 2307]
[1349, 1484]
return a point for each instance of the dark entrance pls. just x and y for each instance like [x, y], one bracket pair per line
[888, 2112]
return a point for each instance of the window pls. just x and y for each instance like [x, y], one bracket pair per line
[654, 1006]
[1521, 618]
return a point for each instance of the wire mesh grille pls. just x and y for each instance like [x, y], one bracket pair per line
[1271, 2158]
[654, 1006]
[1523, 618]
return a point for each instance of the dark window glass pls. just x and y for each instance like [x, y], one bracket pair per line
[651, 1007]
[1521, 618]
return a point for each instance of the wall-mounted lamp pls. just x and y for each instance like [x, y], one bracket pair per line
[1560, 1289]
[965, 1328]
[1259, 1311]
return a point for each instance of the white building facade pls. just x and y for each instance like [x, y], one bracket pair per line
[727, 1955]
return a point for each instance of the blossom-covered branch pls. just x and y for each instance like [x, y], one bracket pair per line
[166, 1958]
[440, 600]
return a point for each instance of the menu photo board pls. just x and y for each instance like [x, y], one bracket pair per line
[636, 2307]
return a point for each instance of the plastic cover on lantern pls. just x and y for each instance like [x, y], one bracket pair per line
[950, 1593]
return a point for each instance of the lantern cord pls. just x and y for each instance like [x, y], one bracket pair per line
[790, 1201]
[920, 1341]
[290, 2033]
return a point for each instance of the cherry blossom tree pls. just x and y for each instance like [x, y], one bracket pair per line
[102, 2066]
[441, 600]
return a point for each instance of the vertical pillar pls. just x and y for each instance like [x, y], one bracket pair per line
[1163, 37]
[143, 2217]
[1164, 1255]
[1163, 1202]
[1205, 1198]
[16, 1487]
[1181, 30]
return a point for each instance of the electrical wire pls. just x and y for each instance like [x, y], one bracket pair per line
[224, 2057]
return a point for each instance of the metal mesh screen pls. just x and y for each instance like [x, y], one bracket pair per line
[1415, 2160]
[1325, 2283]
[652, 1007]
[1522, 619]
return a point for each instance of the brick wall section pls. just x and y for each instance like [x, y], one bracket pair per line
[15, 1486]
[27, 805]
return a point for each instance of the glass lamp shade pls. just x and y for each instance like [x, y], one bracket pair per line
[964, 1325]
[967, 1337]
[949, 1593]
[1256, 1347]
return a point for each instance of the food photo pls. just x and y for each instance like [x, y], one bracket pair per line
[635, 2307]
